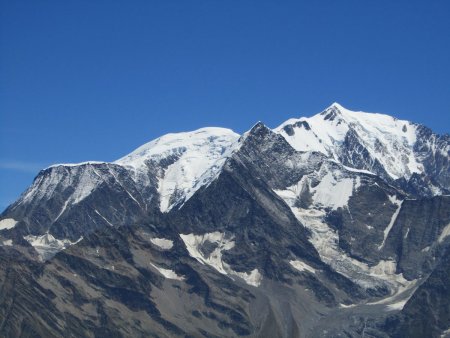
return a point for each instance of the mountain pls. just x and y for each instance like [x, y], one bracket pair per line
[331, 226]
[403, 153]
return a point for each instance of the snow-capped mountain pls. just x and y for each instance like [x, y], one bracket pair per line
[193, 159]
[388, 142]
[391, 148]
[322, 227]
[160, 174]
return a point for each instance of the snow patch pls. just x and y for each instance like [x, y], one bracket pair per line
[388, 229]
[394, 200]
[7, 223]
[98, 213]
[407, 233]
[251, 278]
[214, 259]
[446, 333]
[384, 268]
[162, 243]
[167, 273]
[47, 245]
[62, 210]
[301, 266]
[360, 171]
[333, 191]
[398, 305]
[8, 242]
[445, 232]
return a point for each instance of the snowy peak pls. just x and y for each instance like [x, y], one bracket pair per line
[81, 179]
[375, 142]
[317, 133]
[259, 129]
[332, 112]
[180, 142]
[187, 161]
[164, 172]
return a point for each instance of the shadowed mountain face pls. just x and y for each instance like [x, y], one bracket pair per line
[331, 226]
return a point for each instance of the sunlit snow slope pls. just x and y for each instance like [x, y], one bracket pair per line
[196, 157]
[347, 136]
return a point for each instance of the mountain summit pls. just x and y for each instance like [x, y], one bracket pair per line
[394, 149]
[327, 226]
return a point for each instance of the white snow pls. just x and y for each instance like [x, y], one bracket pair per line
[393, 199]
[196, 159]
[446, 333]
[384, 268]
[445, 232]
[407, 233]
[326, 239]
[167, 273]
[388, 229]
[362, 171]
[252, 278]
[62, 210]
[214, 259]
[7, 223]
[398, 299]
[320, 137]
[388, 140]
[398, 305]
[64, 178]
[8, 242]
[333, 191]
[86, 185]
[199, 155]
[98, 213]
[162, 243]
[46, 245]
[193, 242]
[302, 266]
[75, 164]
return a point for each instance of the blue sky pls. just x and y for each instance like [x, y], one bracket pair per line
[92, 80]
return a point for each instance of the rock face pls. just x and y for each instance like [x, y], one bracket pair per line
[427, 313]
[323, 227]
[70, 201]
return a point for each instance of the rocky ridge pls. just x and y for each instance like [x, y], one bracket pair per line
[325, 226]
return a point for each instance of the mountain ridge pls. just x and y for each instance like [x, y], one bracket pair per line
[241, 234]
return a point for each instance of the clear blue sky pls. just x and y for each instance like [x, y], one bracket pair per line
[92, 80]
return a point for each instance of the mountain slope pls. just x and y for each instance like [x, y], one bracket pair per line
[325, 226]
[68, 201]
